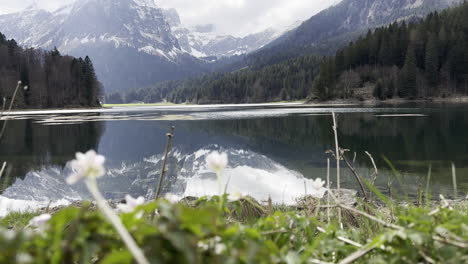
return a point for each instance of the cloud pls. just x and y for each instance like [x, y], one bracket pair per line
[240, 17]
[237, 17]
[8, 6]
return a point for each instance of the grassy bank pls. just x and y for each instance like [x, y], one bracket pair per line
[136, 105]
[170, 104]
[214, 230]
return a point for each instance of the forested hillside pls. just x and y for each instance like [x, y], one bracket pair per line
[424, 59]
[290, 80]
[52, 80]
[334, 27]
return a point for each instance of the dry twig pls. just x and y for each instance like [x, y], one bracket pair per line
[9, 109]
[358, 178]
[170, 135]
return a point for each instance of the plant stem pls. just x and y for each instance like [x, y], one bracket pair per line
[355, 175]
[454, 178]
[115, 221]
[337, 155]
[376, 171]
[220, 183]
[9, 109]
[356, 255]
[2, 169]
[328, 190]
[371, 217]
[170, 135]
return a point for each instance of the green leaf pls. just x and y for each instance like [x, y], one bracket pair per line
[118, 257]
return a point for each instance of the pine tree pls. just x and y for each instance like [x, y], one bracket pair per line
[432, 60]
[409, 75]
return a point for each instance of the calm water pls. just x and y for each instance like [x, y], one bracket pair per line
[271, 149]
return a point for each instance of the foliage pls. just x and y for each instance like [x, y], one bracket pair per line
[430, 57]
[204, 232]
[54, 81]
[290, 80]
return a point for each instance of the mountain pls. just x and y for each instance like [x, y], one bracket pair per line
[334, 27]
[423, 59]
[358, 15]
[436, 65]
[133, 43]
[203, 41]
[130, 41]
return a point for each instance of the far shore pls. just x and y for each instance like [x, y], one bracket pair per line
[108, 108]
[393, 101]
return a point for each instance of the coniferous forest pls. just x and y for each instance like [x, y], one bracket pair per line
[291, 80]
[52, 80]
[428, 58]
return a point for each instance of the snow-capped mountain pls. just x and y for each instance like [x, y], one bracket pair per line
[133, 43]
[138, 24]
[202, 40]
[130, 41]
[350, 16]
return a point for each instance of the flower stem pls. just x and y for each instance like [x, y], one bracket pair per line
[220, 183]
[115, 221]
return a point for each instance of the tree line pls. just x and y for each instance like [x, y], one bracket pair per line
[290, 80]
[424, 58]
[52, 80]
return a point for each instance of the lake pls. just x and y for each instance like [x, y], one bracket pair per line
[272, 149]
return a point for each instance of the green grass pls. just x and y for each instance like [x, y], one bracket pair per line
[136, 104]
[169, 104]
[17, 220]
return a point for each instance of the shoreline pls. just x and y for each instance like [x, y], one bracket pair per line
[394, 101]
[117, 108]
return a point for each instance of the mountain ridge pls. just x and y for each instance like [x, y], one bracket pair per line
[334, 27]
[132, 42]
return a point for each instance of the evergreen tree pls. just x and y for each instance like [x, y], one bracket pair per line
[432, 60]
[409, 75]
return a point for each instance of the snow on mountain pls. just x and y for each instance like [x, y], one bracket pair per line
[137, 24]
[132, 43]
[350, 16]
[203, 41]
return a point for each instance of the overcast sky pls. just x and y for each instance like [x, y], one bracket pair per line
[237, 17]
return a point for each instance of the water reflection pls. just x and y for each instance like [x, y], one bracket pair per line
[269, 154]
[27, 147]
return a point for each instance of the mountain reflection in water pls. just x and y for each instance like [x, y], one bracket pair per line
[270, 154]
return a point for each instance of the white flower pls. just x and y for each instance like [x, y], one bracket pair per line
[217, 162]
[172, 198]
[318, 191]
[202, 245]
[40, 222]
[89, 165]
[26, 88]
[220, 248]
[235, 197]
[130, 204]
[8, 234]
[23, 258]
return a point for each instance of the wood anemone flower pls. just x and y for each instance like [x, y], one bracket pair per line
[130, 204]
[89, 165]
[40, 222]
[216, 161]
[318, 190]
